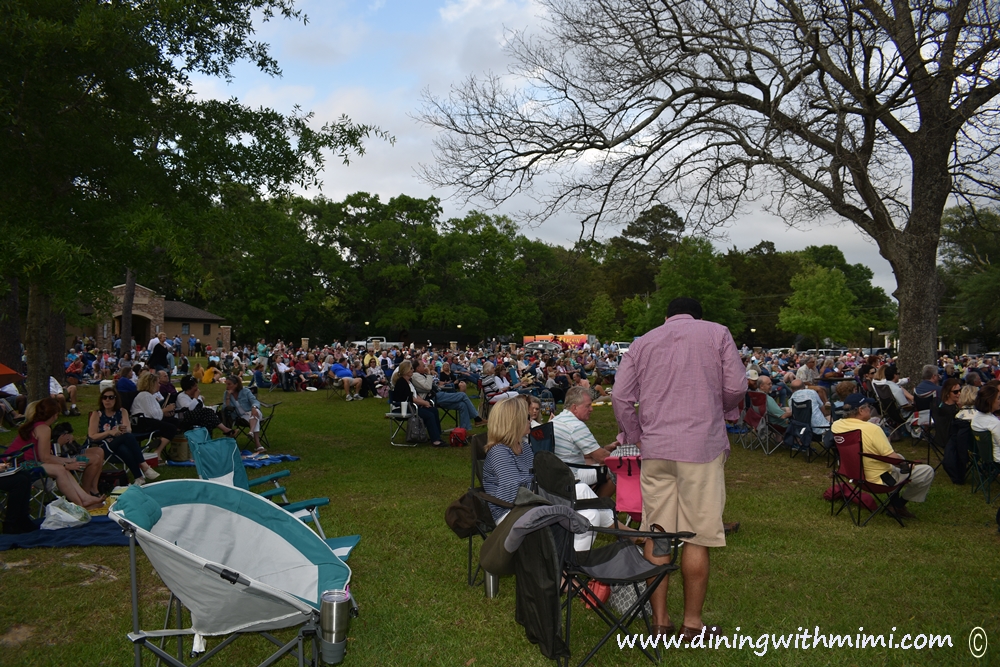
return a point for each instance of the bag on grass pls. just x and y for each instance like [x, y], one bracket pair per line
[623, 596]
[459, 437]
[61, 513]
[416, 431]
[109, 479]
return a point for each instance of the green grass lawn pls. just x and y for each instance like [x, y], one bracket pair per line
[791, 564]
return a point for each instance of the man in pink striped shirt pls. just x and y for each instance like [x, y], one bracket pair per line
[688, 378]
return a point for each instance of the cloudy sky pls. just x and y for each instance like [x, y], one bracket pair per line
[372, 59]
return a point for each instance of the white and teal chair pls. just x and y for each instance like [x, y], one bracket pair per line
[219, 460]
[239, 563]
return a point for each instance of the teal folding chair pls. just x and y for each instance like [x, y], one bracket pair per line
[219, 460]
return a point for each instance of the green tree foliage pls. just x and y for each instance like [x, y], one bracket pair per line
[631, 259]
[764, 277]
[970, 254]
[692, 269]
[601, 320]
[821, 306]
[109, 154]
[873, 306]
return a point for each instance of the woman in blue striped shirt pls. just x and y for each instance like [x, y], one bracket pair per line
[509, 457]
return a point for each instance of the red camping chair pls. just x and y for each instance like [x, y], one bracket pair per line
[628, 494]
[851, 475]
[754, 418]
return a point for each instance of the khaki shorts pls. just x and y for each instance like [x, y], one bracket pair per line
[685, 497]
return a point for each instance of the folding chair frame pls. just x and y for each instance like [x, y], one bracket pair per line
[889, 409]
[925, 432]
[984, 468]
[854, 486]
[806, 446]
[484, 521]
[576, 580]
[309, 631]
[397, 423]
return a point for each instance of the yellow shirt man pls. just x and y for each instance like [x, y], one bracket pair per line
[873, 441]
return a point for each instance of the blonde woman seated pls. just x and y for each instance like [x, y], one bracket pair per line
[967, 403]
[509, 461]
[496, 387]
[150, 416]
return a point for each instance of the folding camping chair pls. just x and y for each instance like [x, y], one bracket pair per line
[755, 418]
[889, 409]
[219, 460]
[543, 439]
[398, 415]
[43, 487]
[240, 564]
[924, 407]
[850, 474]
[242, 426]
[484, 518]
[800, 434]
[484, 405]
[984, 468]
[550, 573]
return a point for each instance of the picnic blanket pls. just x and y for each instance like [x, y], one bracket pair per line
[250, 460]
[100, 531]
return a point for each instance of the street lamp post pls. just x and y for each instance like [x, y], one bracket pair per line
[753, 338]
[871, 347]
[266, 336]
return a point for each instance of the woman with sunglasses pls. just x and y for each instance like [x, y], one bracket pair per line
[110, 429]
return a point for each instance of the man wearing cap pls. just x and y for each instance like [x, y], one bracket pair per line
[688, 375]
[857, 412]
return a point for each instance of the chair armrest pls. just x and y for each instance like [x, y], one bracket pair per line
[269, 478]
[891, 460]
[272, 492]
[594, 504]
[648, 534]
[312, 503]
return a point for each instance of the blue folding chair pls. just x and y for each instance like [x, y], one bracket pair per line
[219, 460]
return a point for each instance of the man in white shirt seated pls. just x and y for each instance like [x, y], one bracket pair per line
[574, 443]
[820, 422]
[904, 399]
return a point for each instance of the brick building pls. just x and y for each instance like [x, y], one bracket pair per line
[151, 314]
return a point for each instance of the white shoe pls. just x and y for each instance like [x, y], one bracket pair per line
[358, 397]
[150, 474]
[349, 398]
[139, 481]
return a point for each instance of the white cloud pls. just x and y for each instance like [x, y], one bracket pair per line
[459, 9]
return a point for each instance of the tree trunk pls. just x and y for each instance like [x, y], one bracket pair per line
[918, 293]
[37, 342]
[10, 328]
[127, 300]
[57, 345]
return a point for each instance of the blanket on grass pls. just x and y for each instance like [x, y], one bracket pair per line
[249, 460]
[100, 531]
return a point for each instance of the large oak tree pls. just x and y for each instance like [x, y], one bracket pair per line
[876, 111]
